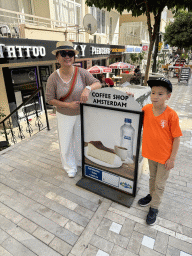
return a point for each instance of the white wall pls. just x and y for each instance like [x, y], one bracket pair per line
[115, 26]
[103, 38]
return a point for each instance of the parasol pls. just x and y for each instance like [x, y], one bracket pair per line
[121, 65]
[99, 70]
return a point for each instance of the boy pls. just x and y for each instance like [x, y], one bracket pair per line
[161, 139]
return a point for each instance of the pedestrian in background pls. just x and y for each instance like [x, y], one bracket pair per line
[66, 88]
[161, 139]
[137, 70]
[108, 81]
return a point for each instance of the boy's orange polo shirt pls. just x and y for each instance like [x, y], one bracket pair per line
[158, 133]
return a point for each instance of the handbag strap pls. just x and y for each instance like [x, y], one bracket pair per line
[72, 86]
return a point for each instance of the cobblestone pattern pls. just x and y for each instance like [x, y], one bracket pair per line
[43, 212]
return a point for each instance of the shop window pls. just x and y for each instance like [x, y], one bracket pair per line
[100, 17]
[23, 6]
[78, 14]
[103, 21]
[25, 82]
[98, 21]
[17, 6]
[67, 11]
[110, 28]
[11, 5]
[44, 73]
[103, 62]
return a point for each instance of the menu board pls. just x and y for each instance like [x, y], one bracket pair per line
[111, 123]
[184, 75]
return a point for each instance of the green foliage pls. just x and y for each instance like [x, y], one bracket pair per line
[184, 56]
[138, 7]
[141, 56]
[179, 33]
[133, 57]
[141, 7]
[137, 57]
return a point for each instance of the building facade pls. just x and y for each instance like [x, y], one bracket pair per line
[29, 30]
[26, 64]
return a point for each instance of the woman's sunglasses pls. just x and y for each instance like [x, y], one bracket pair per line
[71, 54]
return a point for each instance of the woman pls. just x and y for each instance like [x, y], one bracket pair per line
[67, 87]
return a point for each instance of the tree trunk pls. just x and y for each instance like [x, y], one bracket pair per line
[148, 62]
[152, 35]
[154, 68]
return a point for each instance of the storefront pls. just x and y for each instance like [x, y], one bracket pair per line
[117, 54]
[26, 64]
[92, 54]
[131, 49]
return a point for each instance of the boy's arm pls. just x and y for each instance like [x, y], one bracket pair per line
[170, 162]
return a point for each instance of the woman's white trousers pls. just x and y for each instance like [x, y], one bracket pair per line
[69, 132]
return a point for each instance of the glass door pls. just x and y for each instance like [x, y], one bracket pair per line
[25, 83]
[44, 73]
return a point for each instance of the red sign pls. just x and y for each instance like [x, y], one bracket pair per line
[145, 47]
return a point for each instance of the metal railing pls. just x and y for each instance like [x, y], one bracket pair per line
[10, 22]
[13, 23]
[20, 120]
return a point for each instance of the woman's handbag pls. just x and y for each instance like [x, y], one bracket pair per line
[72, 86]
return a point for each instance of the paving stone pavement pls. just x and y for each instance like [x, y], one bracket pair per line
[43, 212]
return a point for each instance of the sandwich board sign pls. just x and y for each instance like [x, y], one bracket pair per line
[184, 75]
[111, 123]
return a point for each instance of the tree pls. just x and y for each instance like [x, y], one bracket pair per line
[139, 7]
[154, 67]
[137, 57]
[179, 33]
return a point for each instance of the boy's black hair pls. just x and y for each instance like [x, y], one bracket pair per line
[161, 81]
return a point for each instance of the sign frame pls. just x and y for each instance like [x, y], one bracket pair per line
[91, 180]
[184, 75]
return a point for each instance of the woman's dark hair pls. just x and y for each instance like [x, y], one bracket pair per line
[99, 78]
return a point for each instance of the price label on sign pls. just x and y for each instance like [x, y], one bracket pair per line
[145, 47]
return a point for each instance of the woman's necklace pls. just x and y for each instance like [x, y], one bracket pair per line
[67, 77]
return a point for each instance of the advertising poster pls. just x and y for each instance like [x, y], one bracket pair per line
[111, 139]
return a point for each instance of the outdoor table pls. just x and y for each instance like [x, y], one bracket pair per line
[173, 68]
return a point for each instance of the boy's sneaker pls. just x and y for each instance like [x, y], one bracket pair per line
[145, 201]
[152, 216]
